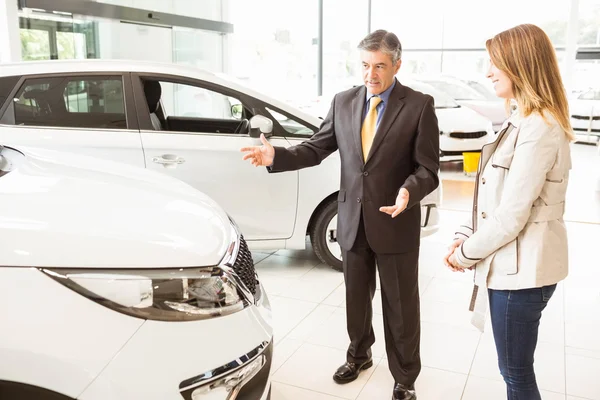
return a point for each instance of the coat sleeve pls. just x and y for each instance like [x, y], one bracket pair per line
[310, 152]
[426, 154]
[535, 154]
[464, 230]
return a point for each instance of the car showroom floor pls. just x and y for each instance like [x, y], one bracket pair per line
[458, 361]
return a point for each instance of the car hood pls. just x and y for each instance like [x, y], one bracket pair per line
[66, 210]
[461, 119]
[585, 108]
[494, 110]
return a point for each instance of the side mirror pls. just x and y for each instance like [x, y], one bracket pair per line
[237, 111]
[260, 124]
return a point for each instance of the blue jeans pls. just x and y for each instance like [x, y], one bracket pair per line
[515, 320]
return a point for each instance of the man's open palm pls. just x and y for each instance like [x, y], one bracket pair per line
[260, 156]
[401, 203]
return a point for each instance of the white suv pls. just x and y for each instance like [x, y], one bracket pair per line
[189, 124]
[118, 283]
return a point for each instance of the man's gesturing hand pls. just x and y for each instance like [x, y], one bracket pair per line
[401, 203]
[260, 156]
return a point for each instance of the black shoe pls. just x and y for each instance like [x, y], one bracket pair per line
[403, 392]
[350, 371]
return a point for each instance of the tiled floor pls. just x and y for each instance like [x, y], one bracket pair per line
[458, 361]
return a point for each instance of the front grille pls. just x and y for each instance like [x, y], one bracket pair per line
[586, 117]
[585, 130]
[468, 135]
[244, 266]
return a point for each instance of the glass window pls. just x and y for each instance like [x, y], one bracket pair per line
[421, 62]
[72, 102]
[586, 73]
[342, 32]
[276, 54]
[182, 100]
[7, 84]
[290, 125]
[52, 37]
[589, 27]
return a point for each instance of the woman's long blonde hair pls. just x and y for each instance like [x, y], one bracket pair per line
[525, 53]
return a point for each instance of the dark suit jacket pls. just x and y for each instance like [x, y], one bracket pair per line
[404, 154]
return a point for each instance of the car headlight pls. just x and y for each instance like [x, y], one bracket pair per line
[234, 245]
[182, 294]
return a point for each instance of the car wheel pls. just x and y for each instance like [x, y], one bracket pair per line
[323, 236]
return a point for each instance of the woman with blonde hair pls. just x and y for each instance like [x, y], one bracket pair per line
[516, 240]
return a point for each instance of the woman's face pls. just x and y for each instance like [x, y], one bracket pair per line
[502, 83]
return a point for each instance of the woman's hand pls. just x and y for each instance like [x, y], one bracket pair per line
[450, 259]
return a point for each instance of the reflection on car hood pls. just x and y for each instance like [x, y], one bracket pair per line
[65, 210]
[461, 119]
[494, 110]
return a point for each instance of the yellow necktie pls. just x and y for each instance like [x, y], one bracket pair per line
[369, 126]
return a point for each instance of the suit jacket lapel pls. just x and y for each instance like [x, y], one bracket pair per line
[392, 109]
[358, 106]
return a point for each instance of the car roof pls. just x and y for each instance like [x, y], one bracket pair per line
[150, 67]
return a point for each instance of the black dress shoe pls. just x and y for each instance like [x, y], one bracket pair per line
[403, 392]
[350, 371]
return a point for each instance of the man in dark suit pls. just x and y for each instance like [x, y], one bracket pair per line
[388, 138]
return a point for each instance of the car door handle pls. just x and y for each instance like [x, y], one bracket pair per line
[169, 160]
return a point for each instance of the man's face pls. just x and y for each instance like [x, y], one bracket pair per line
[378, 70]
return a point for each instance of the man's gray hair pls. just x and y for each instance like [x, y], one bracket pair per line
[384, 41]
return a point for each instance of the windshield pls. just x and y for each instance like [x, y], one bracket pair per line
[456, 91]
[590, 95]
[442, 100]
[486, 91]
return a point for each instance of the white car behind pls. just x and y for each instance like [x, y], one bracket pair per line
[461, 129]
[466, 95]
[119, 283]
[191, 125]
[585, 115]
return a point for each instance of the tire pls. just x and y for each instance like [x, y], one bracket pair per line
[323, 233]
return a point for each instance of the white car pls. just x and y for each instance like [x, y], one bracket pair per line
[118, 283]
[190, 124]
[461, 129]
[585, 115]
[466, 95]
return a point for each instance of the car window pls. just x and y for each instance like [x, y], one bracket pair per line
[290, 125]
[78, 102]
[182, 100]
[7, 84]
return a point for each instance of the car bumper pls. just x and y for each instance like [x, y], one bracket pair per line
[192, 360]
[246, 377]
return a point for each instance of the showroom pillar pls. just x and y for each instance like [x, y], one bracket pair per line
[10, 42]
[571, 49]
[320, 51]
